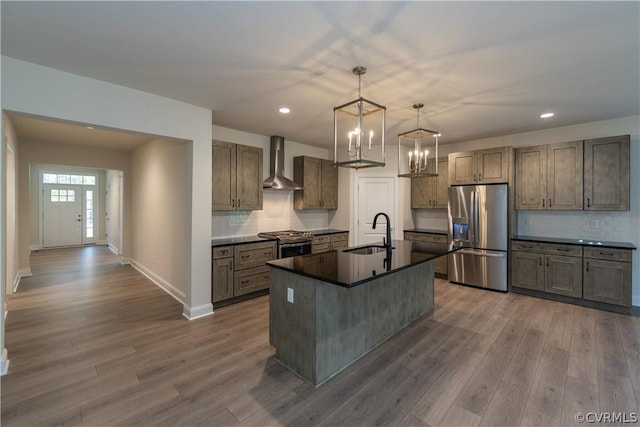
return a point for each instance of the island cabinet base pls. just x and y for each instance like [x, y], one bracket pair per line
[327, 326]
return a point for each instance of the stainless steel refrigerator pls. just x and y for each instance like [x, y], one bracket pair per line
[478, 223]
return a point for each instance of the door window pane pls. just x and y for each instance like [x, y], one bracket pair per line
[89, 180]
[89, 214]
[50, 178]
[76, 179]
[64, 179]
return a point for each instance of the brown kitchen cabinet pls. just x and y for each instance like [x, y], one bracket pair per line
[236, 177]
[549, 177]
[547, 267]
[488, 166]
[606, 174]
[320, 181]
[432, 192]
[440, 264]
[329, 242]
[238, 270]
[607, 276]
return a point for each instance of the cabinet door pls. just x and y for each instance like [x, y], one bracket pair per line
[223, 185]
[607, 281]
[421, 193]
[441, 186]
[462, 168]
[563, 275]
[564, 176]
[249, 178]
[531, 177]
[329, 185]
[307, 171]
[606, 174]
[527, 270]
[492, 165]
[251, 280]
[222, 279]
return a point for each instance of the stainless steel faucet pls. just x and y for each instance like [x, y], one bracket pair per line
[387, 243]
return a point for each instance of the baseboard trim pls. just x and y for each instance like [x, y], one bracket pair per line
[24, 272]
[159, 281]
[35, 247]
[4, 362]
[193, 313]
[113, 249]
[125, 260]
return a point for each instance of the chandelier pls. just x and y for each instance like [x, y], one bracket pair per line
[359, 128]
[414, 149]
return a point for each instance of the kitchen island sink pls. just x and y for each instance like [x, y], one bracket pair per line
[327, 310]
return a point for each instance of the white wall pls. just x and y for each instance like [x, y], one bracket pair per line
[160, 200]
[613, 226]
[277, 213]
[114, 209]
[33, 89]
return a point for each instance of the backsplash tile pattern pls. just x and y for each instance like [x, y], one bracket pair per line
[277, 214]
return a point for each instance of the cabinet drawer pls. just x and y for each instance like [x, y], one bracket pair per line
[341, 237]
[608, 254]
[425, 237]
[254, 254]
[547, 248]
[222, 252]
[318, 240]
[251, 280]
[324, 247]
[339, 245]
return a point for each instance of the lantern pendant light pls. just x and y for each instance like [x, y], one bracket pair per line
[415, 148]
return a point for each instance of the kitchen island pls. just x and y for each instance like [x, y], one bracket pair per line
[327, 310]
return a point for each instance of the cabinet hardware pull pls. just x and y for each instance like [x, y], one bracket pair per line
[607, 253]
[547, 262]
[265, 277]
[245, 256]
[233, 203]
[543, 203]
[244, 282]
[563, 250]
[540, 261]
[526, 246]
[549, 202]
[587, 265]
[479, 177]
[588, 202]
[474, 177]
[230, 266]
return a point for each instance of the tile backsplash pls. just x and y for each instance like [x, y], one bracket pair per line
[277, 214]
[609, 226]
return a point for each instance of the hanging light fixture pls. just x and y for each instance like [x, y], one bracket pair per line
[359, 128]
[415, 148]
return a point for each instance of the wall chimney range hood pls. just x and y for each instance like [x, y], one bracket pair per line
[276, 179]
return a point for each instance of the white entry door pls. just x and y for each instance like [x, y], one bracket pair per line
[62, 215]
[375, 195]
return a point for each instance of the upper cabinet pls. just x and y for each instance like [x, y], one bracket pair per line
[606, 174]
[593, 175]
[320, 181]
[488, 166]
[433, 191]
[549, 177]
[236, 177]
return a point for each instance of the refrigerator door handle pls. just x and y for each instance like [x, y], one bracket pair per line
[474, 215]
[488, 255]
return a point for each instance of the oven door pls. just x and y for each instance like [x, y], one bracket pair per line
[286, 250]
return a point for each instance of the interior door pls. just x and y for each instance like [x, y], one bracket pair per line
[62, 215]
[375, 195]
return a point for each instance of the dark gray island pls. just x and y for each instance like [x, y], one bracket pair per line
[327, 310]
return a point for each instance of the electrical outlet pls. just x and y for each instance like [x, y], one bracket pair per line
[290, 295]
[595, 223]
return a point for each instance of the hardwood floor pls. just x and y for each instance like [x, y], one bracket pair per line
[92, 342]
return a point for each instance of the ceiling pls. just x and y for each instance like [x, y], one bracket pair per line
[481, 68]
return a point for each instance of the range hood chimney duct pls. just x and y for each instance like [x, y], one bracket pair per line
[276, 179]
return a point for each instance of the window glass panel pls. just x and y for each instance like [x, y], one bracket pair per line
[50, 178]
[71, 195]
[89, 180]
[64, 179]
[89, 195]
[76, 179]
[89, 213]
[89, 232]
[55, 196]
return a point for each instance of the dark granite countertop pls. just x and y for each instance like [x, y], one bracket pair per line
[427, 230]
[577, 242]
[238, 240]
[323, 231]
[349, 269]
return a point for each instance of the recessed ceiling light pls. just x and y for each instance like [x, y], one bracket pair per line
[284, 110]
[437, 134]
[546, 115]
[89, 127]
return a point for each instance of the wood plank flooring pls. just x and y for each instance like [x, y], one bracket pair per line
[92, 342]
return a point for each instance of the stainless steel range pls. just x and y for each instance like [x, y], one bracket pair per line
[291, 242]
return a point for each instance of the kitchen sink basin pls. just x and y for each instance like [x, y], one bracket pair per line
[367, 250]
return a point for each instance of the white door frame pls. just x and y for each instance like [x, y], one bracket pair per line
[393, 215]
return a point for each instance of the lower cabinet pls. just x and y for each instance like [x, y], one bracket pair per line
[591, 274]
[440, 265]
[240, 269]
